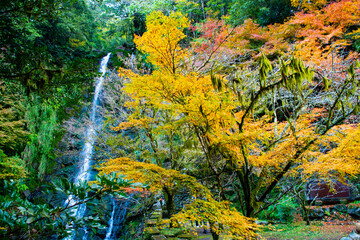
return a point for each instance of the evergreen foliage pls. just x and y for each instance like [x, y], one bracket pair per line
[12, 124]
[44, 134]
[262, 11]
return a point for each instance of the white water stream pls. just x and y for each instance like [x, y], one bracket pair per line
[84, 173]
[111, 221]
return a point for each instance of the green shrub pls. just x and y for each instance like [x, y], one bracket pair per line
[283, 211]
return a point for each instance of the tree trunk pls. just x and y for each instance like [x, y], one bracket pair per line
[214, 235]
[170, 203]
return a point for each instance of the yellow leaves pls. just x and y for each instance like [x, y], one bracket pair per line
[161, 40]
[342, 160]
[308, 5]
[222, 218]
[141, 123]
[76, 43]
[355, 34]
[156, 177]
[283, 149]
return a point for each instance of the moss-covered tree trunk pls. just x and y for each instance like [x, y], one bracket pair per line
[170, 203]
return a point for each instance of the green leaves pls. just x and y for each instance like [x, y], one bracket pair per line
[217, 82]
[45, 132]
[294, 74]
[20, 214]
[326, 83]
[351, 70]
[264, 69]
[30, 220]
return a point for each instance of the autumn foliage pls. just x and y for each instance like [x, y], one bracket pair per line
[275, 109]
[320, 37]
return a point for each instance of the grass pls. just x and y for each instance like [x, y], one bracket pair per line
[298, 230]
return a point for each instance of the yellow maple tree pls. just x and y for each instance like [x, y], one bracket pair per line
[222, 218]
[186, 95]
[165, 181]
[161, 40]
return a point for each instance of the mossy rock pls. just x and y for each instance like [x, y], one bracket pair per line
[341, 208]
[152, 231]
[187, 236]
[151, 223]
[156, 215]
[160, 237]
[172, 232]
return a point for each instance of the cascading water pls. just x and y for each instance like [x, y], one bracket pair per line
[118, 215]
[84, 173]
[111, 221]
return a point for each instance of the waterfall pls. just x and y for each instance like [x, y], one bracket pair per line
[84, 172]
[117, 217]
[111, 221]
[95, 123]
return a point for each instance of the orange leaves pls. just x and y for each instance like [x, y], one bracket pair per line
[317, 37]
[321, 33]
[214, 33]
[345, 13]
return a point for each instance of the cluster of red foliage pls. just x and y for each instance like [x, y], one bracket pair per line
[322, 38]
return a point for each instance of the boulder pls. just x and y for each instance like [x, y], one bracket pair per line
[186, 236]
[261, 222]
[157, 237]
[357, 227]
[353, 235]
[317, 213]
[341, 208]
[354, 212]
[152, 231]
